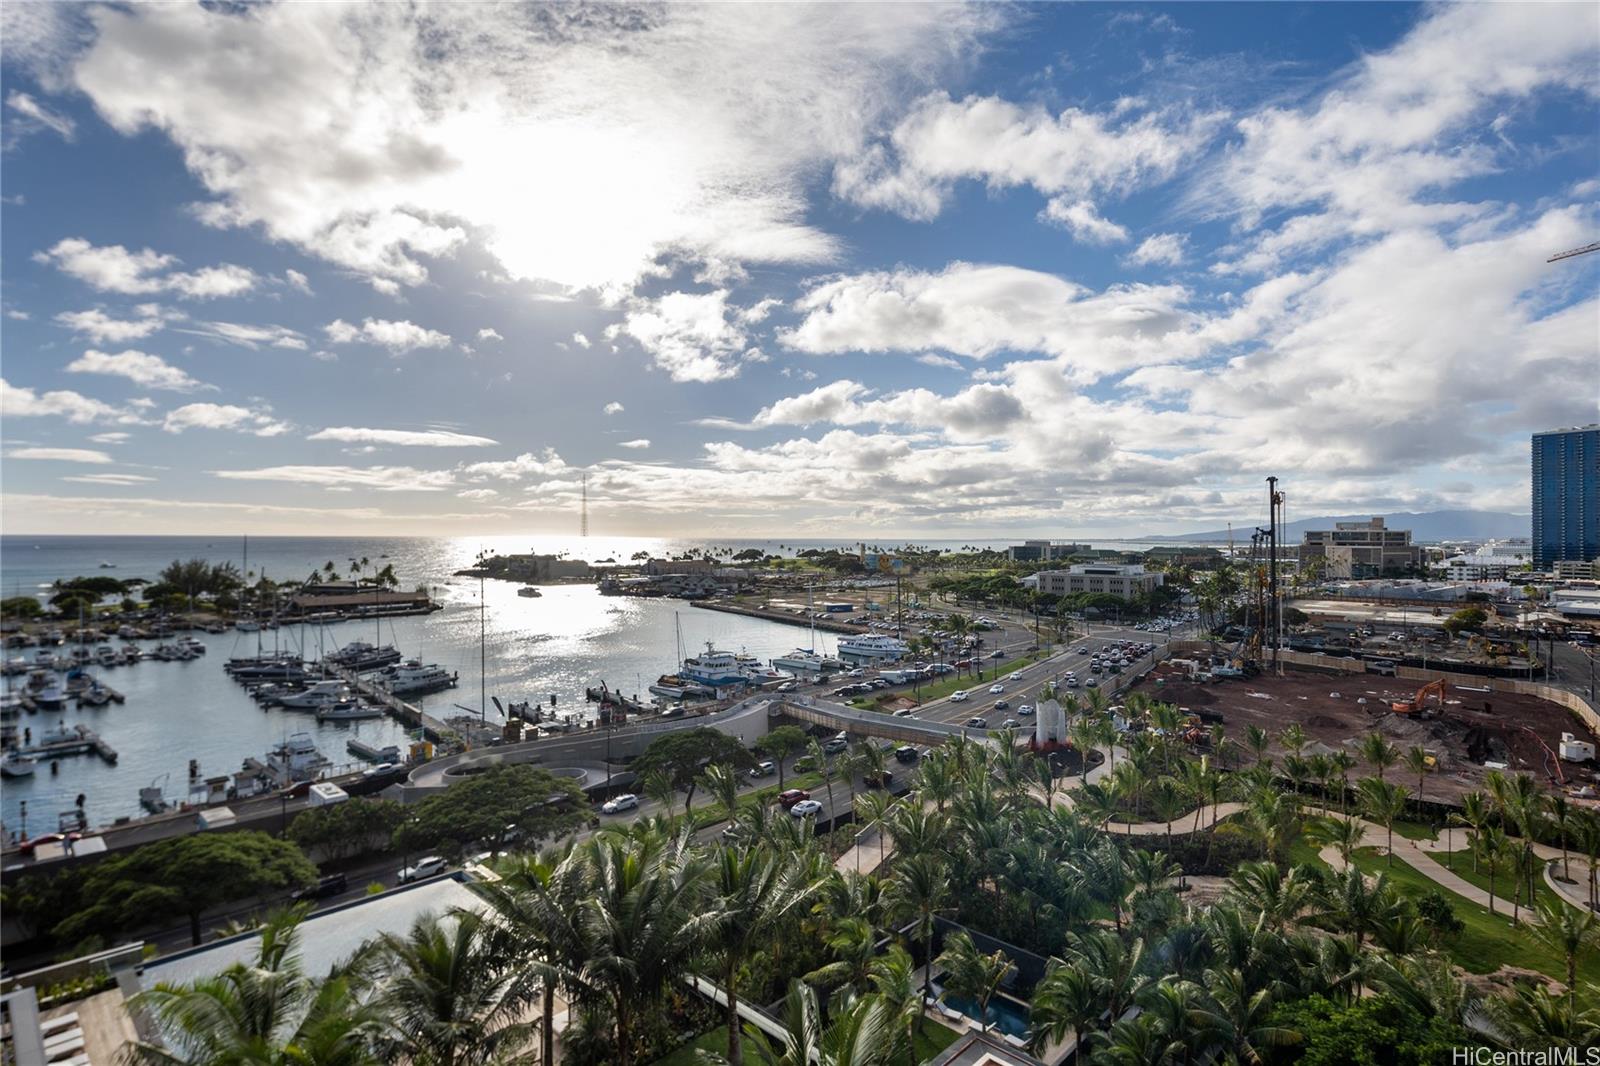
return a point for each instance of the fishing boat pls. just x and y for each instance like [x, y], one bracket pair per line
[296, 759]
[106, 655]
[16, 764]
[96, 695]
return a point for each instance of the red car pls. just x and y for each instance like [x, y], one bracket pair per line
[27, 846]
[789, 797]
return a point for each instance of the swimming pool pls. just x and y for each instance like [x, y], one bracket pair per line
[1006, 1015]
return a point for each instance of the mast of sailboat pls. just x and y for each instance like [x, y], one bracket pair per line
[811, 613]
[483, 654]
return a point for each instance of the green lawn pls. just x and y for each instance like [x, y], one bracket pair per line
[1489, 940]
[1461, 862]
[933, 1038]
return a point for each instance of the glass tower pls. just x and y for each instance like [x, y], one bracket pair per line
[1566, 495]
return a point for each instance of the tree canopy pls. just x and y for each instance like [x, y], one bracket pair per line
[684, 754]
[346, 829]
[488, 808]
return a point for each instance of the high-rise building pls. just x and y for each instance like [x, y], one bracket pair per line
[1566, 496]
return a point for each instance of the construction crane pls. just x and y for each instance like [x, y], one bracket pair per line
[1573, 252]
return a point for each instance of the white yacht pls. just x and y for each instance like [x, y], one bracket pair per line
[318, 696]
[296, 759]
[413, 679]
[15, 764]
[718, 670]
[757, 673]
[801, 661]
[677, 687]
[872, 646]
[348, 711]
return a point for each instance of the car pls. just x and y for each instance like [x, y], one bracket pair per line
[382, 768]
[331, 885]
[878, 682]
[998, 655]
[907, 753]
[806, 808]
[1015, 675]
[835, 745]
[788, 686]
[995, 690]
[1025, 711]
[857, 672]
[790, 796]
[765, 768]
[904, 712]
[1071, 682]
[427, 866]
[1001, 705]
[1083, 651]
[1010, 723]
[617, 804]
[27, 846]
[960, 695]
[1093, 682]
[977, 723]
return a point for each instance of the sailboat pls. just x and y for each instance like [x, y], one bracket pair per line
[803, 660]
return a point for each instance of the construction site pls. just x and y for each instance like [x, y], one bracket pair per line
[1468, 730]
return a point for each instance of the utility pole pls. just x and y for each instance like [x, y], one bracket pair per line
[1272, 568]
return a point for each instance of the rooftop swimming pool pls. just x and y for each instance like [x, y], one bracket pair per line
[1006, 1015]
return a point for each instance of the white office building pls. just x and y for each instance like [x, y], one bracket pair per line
[1123, 581]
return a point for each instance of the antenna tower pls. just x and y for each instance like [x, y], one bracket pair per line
[583, 519]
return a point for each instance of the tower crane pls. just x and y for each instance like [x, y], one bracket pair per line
[1573, 252]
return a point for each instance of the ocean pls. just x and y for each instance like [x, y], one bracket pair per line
[567, 640]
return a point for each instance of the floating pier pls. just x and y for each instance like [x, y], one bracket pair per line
[88, 742]
[406, 713]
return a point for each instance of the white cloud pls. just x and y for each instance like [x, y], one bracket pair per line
[478, 494]
[692, 336]
[141, 368]
[1072, 157]
[580, 340]
[1160, 249]
[109, 479]
[113, 268]
[298, 281]
[247, 336]
[398, 337]
[944, 361]
[395, 131]
[1085, 223]
[639, 444]
[523, 466]
[104, 329]
[18, 402]
[62, 455]
[489, 333]
[432, 438]
[614, 408]
[980, 310]
[223, 416]
[378, 478]
[110, 438]
[36, 116]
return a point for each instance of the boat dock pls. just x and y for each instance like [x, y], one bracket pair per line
[606, 698]
[408, 714]
[88, 742]
[115, 696]
[786, 617]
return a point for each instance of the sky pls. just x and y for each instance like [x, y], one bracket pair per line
[845, 270]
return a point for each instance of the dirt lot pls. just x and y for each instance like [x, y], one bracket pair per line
[1473, 725]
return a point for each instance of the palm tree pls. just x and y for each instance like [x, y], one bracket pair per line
[1066, 1000]
[1417, 762]
[1475, 815]
[1258, 741]
[1379, 753]
[971, 973]
[753, 894]
[1044, 776]
[819, 759]
[1383, 802]
[1084, 734]
[936, 779]
[657, 784]
[269, 1013]
[1567, 932]
[894, 981]
[536, 906]
[1534, 1017]
[1234, 1020]
[1344, 835]
[1261, 888]
[1493, 844]
[448, 993]
[1562, 818]
[641, 922]
[859, 1035]
[918, 892]
[722, 782]
[1343, 762]
[874, 807]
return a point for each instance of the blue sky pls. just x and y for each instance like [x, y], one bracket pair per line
[873, 270]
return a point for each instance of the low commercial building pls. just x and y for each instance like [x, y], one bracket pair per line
[1577, 570]
[1123, 581]
[1484, 567]
[1043, 551]
[663, 567]
[1360, 549]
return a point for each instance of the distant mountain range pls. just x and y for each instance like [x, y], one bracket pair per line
[1424, 526]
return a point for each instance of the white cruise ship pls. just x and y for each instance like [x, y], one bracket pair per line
[872, 646]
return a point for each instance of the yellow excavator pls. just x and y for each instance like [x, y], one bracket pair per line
[1419, 703]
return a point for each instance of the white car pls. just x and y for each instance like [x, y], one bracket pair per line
[995, 690]
[381, 769]
[423, 867]
[1072, 682]
[1015, 675]
[1025, 711]
[805, 808]
[960, 695]
[617, 804]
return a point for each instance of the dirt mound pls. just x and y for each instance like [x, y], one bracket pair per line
[1326, 721]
